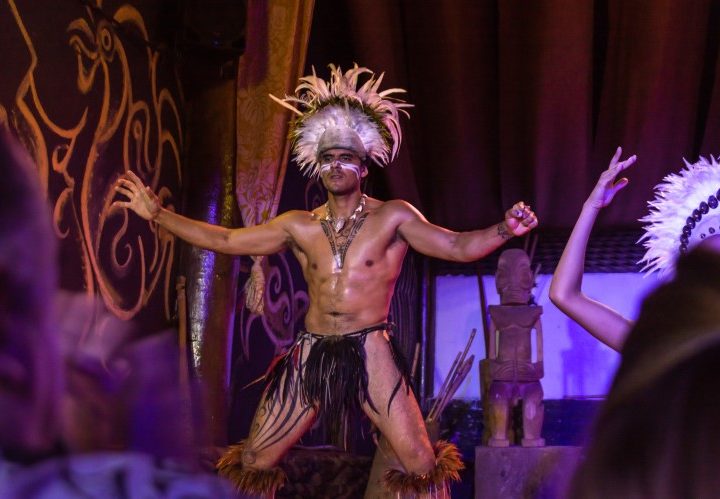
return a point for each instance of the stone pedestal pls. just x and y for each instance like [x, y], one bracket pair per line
[524, 472]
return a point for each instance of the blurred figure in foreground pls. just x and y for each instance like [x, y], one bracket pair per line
[83, 412]
[31, 378]
[657, 434]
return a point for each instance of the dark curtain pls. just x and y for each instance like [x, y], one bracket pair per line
[520, 99]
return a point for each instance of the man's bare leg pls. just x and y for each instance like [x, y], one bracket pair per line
[278, 424]
[402, 426]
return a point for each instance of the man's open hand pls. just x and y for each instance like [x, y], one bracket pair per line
[141, 199]
[607, 185]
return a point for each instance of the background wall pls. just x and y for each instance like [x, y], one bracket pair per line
[91, 98]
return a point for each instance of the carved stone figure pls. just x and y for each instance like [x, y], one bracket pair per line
[513, 376]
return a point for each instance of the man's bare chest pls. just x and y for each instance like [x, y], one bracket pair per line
[365, 240]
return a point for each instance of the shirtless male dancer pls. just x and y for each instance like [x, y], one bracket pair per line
[350, 250]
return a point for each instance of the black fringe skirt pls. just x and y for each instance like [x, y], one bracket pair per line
[333, 378]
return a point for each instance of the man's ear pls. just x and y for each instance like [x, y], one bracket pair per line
[363, 170]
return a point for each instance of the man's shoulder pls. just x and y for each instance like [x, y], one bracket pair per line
[296, 216]
[392, 205]
[396, 209]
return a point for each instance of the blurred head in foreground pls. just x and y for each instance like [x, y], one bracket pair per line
[30, 368]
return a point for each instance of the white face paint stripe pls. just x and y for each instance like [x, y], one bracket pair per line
[345, 166]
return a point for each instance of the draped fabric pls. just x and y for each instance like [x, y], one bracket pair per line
[273, 61]
[528, 100]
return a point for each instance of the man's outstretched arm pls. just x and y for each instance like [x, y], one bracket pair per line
[598, 319]
[439, 242]
[258, 240]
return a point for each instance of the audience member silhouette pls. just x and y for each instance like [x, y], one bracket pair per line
[656, 435]
[97, 414]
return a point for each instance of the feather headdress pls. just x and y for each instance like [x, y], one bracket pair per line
[683, 213]
[336, 113]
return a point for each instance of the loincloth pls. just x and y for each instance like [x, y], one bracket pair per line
[333, 378]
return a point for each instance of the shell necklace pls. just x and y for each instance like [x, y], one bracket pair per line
[339, 223]
[340, 234]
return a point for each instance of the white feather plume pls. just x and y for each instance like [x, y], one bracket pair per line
[676, 197]
[339, 103]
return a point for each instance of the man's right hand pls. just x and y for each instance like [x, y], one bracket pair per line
[141, 199]
[607, 187]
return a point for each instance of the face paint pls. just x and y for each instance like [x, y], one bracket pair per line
[346, 166]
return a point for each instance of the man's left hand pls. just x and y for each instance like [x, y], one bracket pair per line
[520, 219]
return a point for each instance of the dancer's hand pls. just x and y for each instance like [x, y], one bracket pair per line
[606, 187]
[141, 199]
[520, 219]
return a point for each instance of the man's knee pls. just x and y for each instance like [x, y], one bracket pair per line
[250, 471]
[261, 459]
[419, 459]
[430, 473]
[246, 455]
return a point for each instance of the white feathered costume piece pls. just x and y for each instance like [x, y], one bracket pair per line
[684, 212]
[338, 114]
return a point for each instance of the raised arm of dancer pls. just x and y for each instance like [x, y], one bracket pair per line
[606, 324]
[262, 239]
[438, 242]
